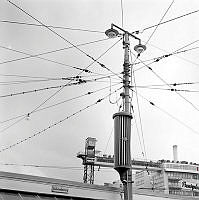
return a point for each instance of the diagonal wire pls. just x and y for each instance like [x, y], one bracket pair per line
[181, 16]
[70, 81]
[139, 112]
[23, 116]
[54, 124]
[138, 133]
[167, 113]
[157, 59]
[94, 60]
[79, 82]
[54, 32]
[159, 22]
[109, 138]
[45, 53]
[50, 26]
[196, 108]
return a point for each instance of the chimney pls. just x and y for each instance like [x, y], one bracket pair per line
[175, 153]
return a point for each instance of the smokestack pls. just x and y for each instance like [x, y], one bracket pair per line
[175, 153]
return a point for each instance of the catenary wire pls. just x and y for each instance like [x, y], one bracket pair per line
[168, 89]
[138, 107]
[45, 53]
[167, 113]
[181, 16]
[42, 166]
[78, 79]
[57, 34]
[109, 138]
[159, 23]
[157, 59]
[172, 84]
[196, 108]
[46, 59]
[138, 133]
[50, 26]
[59, 103]
[41, 79]
[54, 94]
[54, 32]
[54, 124]
[69, 82]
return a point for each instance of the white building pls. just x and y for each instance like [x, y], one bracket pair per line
[26, 187]
[178, 178]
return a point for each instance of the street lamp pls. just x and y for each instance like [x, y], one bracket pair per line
[112, 33]
[139, 48]
[122, 120]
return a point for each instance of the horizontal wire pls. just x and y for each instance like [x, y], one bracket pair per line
[78, 79]
[36, 108]
[40, 166]
[55, 124]
[45, 79]
[59, 103]
[167, 113]
[168, 89]
[50, 26]
[189, 102]
[172, 84]
[68, 42]
[156, 59]
[48, 52]
[46, 59]
[60, 36]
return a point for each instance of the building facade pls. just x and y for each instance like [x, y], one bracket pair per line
[180, 178]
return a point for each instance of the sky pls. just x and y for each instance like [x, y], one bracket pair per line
[61, 119]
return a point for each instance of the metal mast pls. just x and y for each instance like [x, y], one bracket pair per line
[122, 120]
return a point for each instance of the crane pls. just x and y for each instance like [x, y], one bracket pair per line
[91, 159]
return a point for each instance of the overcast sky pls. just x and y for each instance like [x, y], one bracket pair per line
[172, 121]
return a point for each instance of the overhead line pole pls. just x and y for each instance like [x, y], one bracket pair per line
[122, 120]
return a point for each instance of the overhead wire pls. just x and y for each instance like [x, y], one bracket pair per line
[54, 124]
[57, 34]
[138, 107]
[172, 84]
[138, 133]
[168, 89]
[109, 138]
[42, 79]
[42, 166]
[77, 75]
[51, 26]
[94, 60]
[78, 79]
[159, 22]
[157, 59]
[181, 16]
[189, 102]
[23, 116]
[46, 59]
[48, 52]
[167, 113]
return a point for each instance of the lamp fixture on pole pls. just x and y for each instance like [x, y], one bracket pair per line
[122, 120]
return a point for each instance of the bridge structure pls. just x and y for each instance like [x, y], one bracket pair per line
[108, 161]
